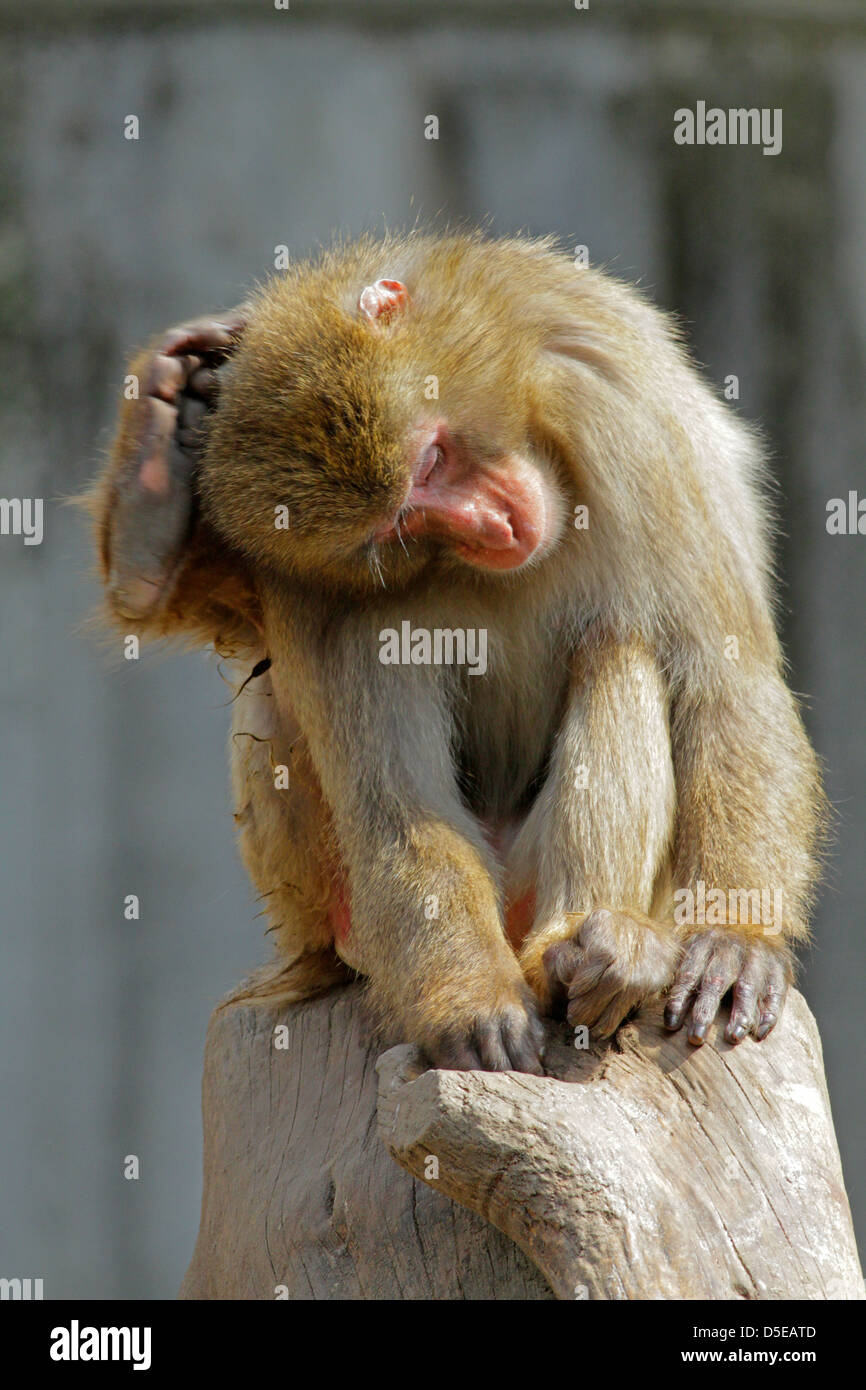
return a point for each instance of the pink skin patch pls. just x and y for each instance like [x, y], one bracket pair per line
[338, 912]
[519, 913]
[519, 917]
[496, 515]
[159, 420]
[154, 475]
[382, 300]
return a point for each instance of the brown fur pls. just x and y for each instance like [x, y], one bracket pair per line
[609, 653]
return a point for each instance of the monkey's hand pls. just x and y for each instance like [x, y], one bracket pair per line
[149, 508]
[499, 1031]
[613, 962]
[715, 960]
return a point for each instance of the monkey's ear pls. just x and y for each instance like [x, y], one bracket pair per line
[383, 300]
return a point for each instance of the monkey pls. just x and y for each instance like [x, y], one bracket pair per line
[421, 434]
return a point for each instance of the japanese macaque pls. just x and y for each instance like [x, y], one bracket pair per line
[414, 447]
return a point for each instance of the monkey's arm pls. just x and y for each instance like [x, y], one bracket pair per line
[750, 818]
[726, 794]
[163, 571]
[674, 498]
[597, 838]
[425, 926]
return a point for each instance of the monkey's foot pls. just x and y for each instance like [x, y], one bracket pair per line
[612, 963]
[716, 960]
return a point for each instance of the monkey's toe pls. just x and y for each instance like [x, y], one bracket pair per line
[716, 963]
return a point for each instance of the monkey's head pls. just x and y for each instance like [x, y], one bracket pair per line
[364, 433]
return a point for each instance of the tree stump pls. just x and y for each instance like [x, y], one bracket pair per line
[646, 1169]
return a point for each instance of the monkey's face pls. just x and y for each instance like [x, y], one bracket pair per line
[327, 459]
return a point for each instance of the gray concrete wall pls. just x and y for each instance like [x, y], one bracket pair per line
[261, 127]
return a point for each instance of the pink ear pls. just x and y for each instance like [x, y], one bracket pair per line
[382, 300]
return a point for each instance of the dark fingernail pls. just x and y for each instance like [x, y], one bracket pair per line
[673, 1018]
[764, 1027]
[697, 1033]
[735, 1035]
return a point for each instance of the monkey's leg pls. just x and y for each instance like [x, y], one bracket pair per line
[285, 839]
[597, 840]
[163, 572]
[750, 815]
[426, 928]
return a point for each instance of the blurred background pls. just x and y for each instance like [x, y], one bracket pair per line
[261, 127]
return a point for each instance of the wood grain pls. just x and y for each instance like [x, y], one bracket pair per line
[644, 1170]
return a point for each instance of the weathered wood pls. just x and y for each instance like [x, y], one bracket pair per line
[646, 1170]
[299, 1191]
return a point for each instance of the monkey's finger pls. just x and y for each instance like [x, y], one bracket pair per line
[594, 987]
[453, 1054]
[772, 997]
[588, 1006]
[487, 1039]
[166, 376]
[191, 415]
[523, 1037]
[720, 974]
[616, 1013]
[686, 981]
[589, 976]
[204, 382]
[744, 1006]
[205, 336]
